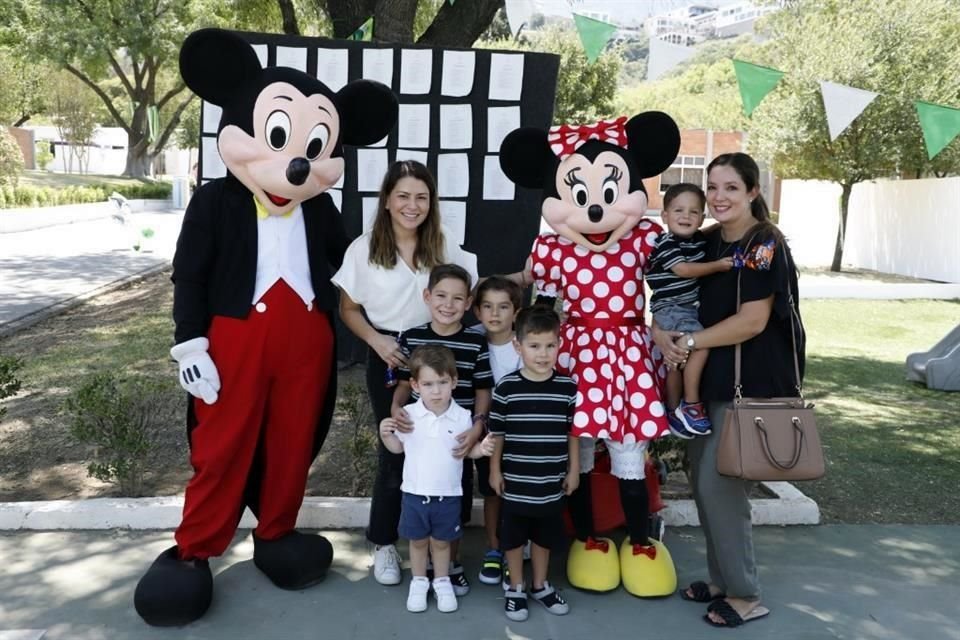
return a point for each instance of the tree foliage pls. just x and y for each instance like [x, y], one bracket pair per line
[11, 159]
[76, 112]
[24, 88]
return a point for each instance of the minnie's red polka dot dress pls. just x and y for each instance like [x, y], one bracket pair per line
[606, 346]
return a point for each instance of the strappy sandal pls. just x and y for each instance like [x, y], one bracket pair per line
[700, 591]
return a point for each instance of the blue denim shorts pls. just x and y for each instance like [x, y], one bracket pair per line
[435, 517]
[678, 317]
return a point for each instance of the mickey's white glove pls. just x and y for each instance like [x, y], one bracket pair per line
[198, 374]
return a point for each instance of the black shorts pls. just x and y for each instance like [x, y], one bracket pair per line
[545, 531]
[466, 482]
[483, 477]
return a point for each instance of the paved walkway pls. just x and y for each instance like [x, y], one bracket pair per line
[854, 582]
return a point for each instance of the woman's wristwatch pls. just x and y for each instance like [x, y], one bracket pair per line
[688, 342]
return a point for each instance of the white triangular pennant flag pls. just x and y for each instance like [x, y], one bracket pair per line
[843, 104]
[519, 13]
[664, 56]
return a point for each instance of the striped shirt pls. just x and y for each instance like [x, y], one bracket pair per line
[534, 420]
[469, 350]
[669, 289]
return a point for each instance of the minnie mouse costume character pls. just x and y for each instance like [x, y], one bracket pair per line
[594, 199]
[253, 309]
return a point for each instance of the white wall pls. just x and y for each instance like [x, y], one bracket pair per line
[906, 227]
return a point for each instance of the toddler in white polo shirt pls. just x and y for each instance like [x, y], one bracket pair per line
[432, 491]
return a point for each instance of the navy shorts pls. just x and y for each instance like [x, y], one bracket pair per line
[435, 517]
[545, 531]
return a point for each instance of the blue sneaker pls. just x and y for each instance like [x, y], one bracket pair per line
[694, 418]
[677, 428]
[491, 571]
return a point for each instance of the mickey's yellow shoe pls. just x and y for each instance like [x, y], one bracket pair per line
[647, 571]
[593, 565]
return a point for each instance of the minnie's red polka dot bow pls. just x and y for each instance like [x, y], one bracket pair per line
[565, 139]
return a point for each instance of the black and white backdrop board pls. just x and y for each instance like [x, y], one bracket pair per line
[456, 106]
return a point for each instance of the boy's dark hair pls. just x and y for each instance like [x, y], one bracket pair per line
[444, 271]
[499, 283]
[435, 356]
[685, 187]
[537, 319]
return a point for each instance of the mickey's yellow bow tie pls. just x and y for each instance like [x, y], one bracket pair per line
[263, 214]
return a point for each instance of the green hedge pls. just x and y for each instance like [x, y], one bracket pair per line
[27, 196]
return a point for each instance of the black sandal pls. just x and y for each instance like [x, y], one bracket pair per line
[700, 591]
[730, 616]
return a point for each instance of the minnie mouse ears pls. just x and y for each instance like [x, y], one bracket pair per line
[653, 140]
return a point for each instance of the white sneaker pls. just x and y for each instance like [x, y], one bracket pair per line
[446, 598]
[386, 565]
[417, 596]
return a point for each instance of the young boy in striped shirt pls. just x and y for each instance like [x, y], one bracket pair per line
[535, 462]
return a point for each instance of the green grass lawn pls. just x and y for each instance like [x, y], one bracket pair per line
[36, 178]
[892, 447]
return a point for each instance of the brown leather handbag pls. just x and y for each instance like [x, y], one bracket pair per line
[770, 439]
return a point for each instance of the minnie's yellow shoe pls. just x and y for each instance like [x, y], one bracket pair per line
[647, 571]
[593, 565]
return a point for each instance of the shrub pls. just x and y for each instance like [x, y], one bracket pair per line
[30, 196]
[11, 158]
[353, 401]
[118, 416]
[9, 383]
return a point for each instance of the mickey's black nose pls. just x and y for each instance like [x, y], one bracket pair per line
[297, 171]
[595, 212]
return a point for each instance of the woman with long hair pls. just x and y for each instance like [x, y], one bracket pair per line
[766, 276]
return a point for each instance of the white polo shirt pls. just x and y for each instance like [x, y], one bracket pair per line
[393, 298]
[429, 468]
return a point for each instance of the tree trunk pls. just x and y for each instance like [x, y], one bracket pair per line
[348, 15]
[139, 157]
[461, 24]
[289, 13]
[393, 20]
[842, 228]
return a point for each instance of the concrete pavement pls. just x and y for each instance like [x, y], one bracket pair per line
[852, 582]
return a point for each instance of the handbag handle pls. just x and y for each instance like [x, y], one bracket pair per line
[737, 387]
[798, 443]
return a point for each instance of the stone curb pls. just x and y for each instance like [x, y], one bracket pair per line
[57, 308]
[790, 507]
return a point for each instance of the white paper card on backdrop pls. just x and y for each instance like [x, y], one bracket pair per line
[458, 70]
[293, 57]
[413, 126]
[382, 142]
[332, 67]
[456, 126]
[261, 51]
[337, 197]
[339, 183]
[496, 186]
[843, 104]
[378, 65]
[453, 175]
[371, 165]
[500, 122]
[213, 166]
[453, 216]
[369, 213]
[211, 117]
[410, 154]
[506, 76]
[416, 71]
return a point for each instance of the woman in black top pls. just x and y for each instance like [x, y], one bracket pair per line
[762, 327]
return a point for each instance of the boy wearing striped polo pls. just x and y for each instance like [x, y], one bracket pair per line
[535, 461]
[448, 297]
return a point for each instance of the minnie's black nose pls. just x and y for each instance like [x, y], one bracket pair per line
[297, 171]
[595, 212]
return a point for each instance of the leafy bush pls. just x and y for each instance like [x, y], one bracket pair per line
[9, 383]
[353, 401]
[118, 416]
[11, 159]
[29, 196]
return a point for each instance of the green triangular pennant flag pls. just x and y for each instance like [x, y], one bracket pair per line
[755, 83]
[940, 126]
[365, 32]
[594, 34]
[451, 2]
[153, 122]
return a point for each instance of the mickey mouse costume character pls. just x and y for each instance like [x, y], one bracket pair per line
[594, 199]
[252, 307]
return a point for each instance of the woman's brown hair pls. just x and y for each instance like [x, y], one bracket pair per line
[430, 244]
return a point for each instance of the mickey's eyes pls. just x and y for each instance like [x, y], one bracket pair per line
[317, 141]
[580, 194]
[278, 130]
